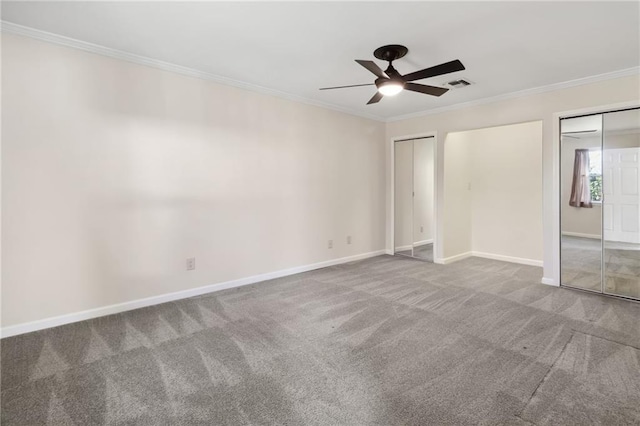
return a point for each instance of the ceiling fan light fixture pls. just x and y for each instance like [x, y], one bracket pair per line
[390, 87]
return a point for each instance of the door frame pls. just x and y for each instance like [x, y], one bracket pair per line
[557, 193]
[392, 201]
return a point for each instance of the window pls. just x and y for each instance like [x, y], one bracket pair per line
[595, 175]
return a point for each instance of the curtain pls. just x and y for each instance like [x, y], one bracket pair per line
[580, 188]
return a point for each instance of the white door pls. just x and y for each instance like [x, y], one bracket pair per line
[621, 196]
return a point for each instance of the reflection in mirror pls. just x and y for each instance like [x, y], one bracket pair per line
[581, 207]
[621, 202]
[423, 200]
[403, 195]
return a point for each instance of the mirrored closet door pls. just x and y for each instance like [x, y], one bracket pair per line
[621, 202]
[414, 191]
[581, 209]
[600, 203]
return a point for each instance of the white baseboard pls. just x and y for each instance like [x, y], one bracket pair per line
[28, 327]
[447, 260]
[578, 234]
[549, 281]
[523, 261]
[512, 259]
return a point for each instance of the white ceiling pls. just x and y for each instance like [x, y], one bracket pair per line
[297, 48]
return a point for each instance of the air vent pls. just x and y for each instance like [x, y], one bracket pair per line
[456, 84]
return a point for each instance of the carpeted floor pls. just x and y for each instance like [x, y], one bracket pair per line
[388, 340]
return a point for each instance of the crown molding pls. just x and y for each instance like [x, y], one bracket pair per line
[11, 28]
[527, 92]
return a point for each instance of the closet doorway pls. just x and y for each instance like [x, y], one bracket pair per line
[600, 203]
[414, 197]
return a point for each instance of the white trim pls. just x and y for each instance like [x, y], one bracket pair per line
[503, 258]
[549, 281]
[554, 277]
[28, 327]
[521, 93]
[578, 234]
[11, 28]
[511, 259]
[457, 257]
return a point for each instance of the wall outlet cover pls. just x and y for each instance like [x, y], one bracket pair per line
[191, 264]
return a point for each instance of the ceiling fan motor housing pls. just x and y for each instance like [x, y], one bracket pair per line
[390, 52]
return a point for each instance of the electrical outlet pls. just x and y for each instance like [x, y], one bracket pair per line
[348, 239]
[330, 245]
[421, 229]
[191, 264]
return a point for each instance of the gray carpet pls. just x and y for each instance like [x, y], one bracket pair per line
[384, 341]
[582, 266]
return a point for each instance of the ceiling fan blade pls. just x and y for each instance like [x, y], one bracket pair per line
[423, 88]
[445, 68]
[345, 87]
[375, 99]
[373, 67]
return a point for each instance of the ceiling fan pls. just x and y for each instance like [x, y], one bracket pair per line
[390, 82]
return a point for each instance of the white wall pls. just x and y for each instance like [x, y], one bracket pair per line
[506, 191]
[457, 195]
[115, 173]
[541, 106]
